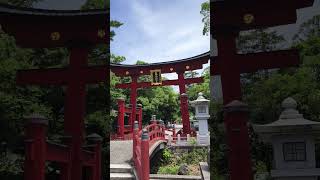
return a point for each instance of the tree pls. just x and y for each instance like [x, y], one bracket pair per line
[205, 11]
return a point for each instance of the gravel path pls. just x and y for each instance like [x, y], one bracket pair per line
[120, 152]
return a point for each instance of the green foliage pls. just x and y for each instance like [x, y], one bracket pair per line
[193, 141]
[171, 162]
[193, 157]
[205, 11]
[170, 169]
[10, 166]
[167, 155]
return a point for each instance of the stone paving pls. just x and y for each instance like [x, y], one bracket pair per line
[120, 152]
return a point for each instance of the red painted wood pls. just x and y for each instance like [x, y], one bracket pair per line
[75, 77]
[164, 83]
[140, 118]
[247, 63]
[184, 104]
[79, 31]
[121, 109]
[141, 148]
[229, 65]
[57, 153]
[133, 100]
[55, 76]
[238, 139]
[34, 164]
[266, 13]
[75, 109]
[145, 162]
[32, 29]
[194, 63]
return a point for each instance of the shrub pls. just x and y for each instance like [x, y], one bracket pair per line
[170, 169]
[167, 155]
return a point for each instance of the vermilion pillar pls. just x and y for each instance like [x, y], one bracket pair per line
[139, 109]
[184, 104]
[230, 74]
[236, 116]
[235, 122]
[145, 162]
[121, 111]
[65, 168]
[133, 100]
[34, 164]
[75, 109]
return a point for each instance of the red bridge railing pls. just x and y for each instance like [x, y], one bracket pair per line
[142, 141]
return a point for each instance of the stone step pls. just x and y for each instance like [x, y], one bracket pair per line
[121, 176]
[173, 177]
[120, 168]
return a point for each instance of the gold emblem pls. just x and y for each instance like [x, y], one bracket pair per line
[141, 72]
[171, 69]
[55, 36]
[187, 67]
[127, 72]
[248, 18]
[156, 77]
[101, 33]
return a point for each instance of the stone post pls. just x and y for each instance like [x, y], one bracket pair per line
[169, 139]
[179, 140]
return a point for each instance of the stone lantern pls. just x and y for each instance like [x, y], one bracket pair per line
[293, 140]
[201, 106]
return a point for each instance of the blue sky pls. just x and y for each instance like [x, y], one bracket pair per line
[158, 30]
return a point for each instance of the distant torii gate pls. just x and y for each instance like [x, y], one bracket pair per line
[228, 18]
[79, 31]
[178, 66]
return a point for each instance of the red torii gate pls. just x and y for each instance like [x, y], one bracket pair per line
[178, 66]
[79, 31]
[228, 18]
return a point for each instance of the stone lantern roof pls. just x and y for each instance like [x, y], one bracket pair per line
[289, 122]
[199, 100]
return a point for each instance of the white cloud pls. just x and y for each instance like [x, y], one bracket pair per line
[166, 33]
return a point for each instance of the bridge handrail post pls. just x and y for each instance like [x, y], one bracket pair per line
[96, 140]
[179, 139]
[134, 140]
[121, 111]
[34, 164]
[145, 166]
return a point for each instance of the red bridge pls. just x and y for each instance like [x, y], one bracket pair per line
[145, 143]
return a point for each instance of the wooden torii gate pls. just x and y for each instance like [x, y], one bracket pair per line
[178, 66]
[228, 18]
[79, 31]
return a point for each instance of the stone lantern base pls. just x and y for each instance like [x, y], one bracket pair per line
[203, 139]
[297, 174]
